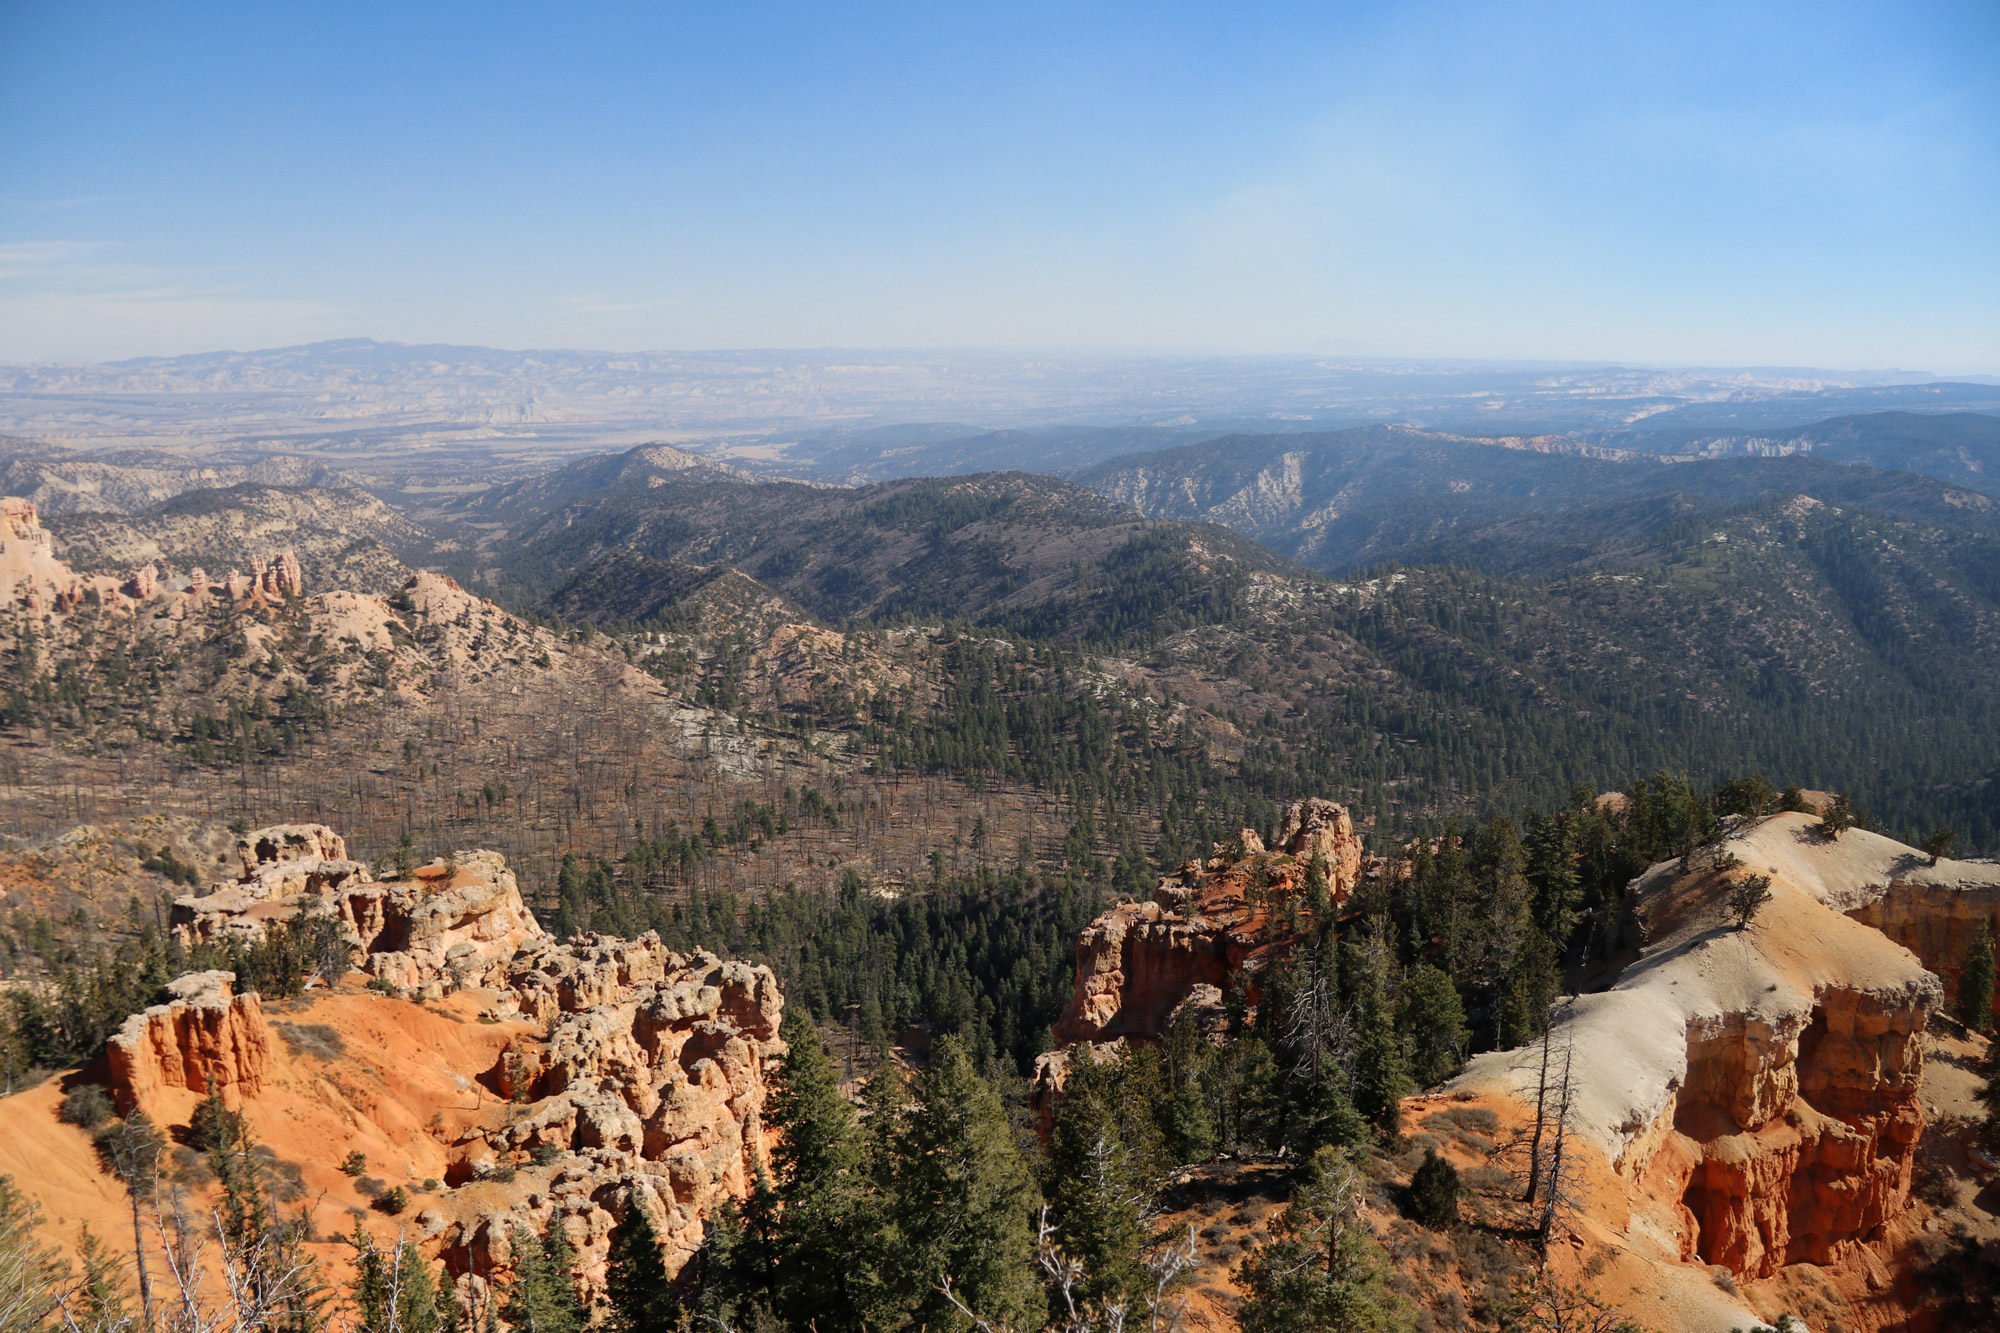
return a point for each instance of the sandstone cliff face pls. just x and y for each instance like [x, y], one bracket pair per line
[1204, 925]
[1754, 1092]
[451, 925]
[204, 1039]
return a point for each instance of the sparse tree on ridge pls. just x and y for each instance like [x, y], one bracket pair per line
[1937, 844]
[1747, 897]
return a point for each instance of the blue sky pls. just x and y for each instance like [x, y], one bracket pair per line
[1743, 183]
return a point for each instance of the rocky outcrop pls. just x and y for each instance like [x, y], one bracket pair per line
[631, 1076]
[36, 580]
[1206, 924]
[1753, 1090]
[648, 1090]
[450, 925]
[204, 1039]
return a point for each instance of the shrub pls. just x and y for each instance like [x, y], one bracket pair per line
[1434, 1192]
[87, 1107]
[544, 1153]
[354, 1163]
[384, 986]
[393, 1202]
[314, 1039]
[213, 1125]
[368, 1187]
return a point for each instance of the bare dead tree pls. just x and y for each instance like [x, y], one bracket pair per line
[1558, 1195]
[1066, 1277]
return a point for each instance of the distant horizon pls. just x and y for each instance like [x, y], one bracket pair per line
[1080, 352]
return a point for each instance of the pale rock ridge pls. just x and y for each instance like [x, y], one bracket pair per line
[34, 579]
[1756, 1090]
[204, 1038]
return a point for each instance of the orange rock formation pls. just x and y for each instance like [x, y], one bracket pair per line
[204, 1039]
[452, 924]
[1139, 960]
[620, 1074]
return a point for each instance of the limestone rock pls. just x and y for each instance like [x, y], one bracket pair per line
[1755, 1089]
[450, 926]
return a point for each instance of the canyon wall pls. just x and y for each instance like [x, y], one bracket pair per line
[1754, 1093]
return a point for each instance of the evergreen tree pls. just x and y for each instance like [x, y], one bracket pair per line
[964, 1200]
[1431, 1020]
[31, 1273]
[830, 1215]
[1321, 1273]
[393, 1290]
[1187, 1118]
[1552, 869]
[1104, 1165]
[1747, 897]
[641, 1296]
[1975, 981]
[542, 1298]
[97, 1302]
[1381, 1078]
[1434, 1192]
[1532, 983]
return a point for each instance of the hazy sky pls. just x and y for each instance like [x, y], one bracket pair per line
[1736, 183]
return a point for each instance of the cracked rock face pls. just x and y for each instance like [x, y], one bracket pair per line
[648, 1093]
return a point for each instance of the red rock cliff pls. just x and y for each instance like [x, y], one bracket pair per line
[205, 1038]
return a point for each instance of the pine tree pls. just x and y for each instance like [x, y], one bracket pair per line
[1103, 1168]
[1975, 981]
[641, 1296]
[97, 1302]
[542, 1298]
[1381, 1079]
[1747, 897]
[393, 1290]
[964, 1200]
[1321, 1272]
[1431, 1020]
[830, 1212]
[31, 1273]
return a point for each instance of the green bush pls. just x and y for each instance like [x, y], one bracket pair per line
[87, 1107]
[1434, 1192]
